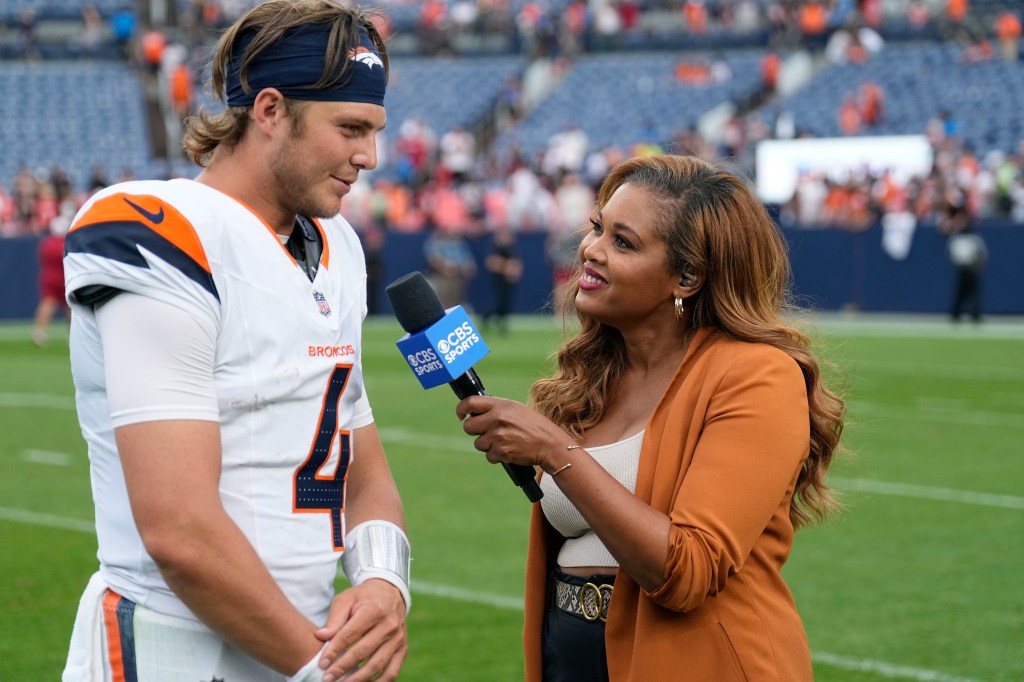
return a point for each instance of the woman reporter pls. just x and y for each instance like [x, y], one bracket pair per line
[684, 437]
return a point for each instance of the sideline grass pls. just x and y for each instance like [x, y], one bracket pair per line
[901, 586]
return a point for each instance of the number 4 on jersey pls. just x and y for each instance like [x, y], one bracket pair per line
[317, 492]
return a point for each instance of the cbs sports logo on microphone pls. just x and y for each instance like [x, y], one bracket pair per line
[445, 350]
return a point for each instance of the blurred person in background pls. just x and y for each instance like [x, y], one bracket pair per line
[51, 278]
[450, 263]
[47, 206]
[7, 210]
[573, 201]
[26, 45]
[684, 437]
[152, 44]
[216, 353]
[122, 27]
[1007, 28]
[374, 240]
[506, 269]
[181, 89]
[24, 192]
[530, 203]
[93, 31]
[968, 254]
[458, 152]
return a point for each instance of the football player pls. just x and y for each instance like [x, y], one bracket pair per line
[216, 349]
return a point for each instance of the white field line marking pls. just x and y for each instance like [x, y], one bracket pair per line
[922, 492]
[457, 443]
[43, 400]
[934, 412]
[983, 373]
[470, 596]
[884, 669]
[928, 327]
[516, 604]
[23, 332]
[60, 459]
[1009, 398]
[397, 434]
[48, 520]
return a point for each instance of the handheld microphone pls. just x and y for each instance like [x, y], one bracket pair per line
[441, 347]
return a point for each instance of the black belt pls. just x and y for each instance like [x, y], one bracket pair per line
[589, 600]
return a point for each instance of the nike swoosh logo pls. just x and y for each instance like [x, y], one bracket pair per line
[155, 218]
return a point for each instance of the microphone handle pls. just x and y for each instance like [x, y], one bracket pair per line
[523, 476]
[468, 384]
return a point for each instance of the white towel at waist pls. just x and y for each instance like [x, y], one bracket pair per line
[85, 657]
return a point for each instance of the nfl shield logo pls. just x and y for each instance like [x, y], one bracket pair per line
[321, 303]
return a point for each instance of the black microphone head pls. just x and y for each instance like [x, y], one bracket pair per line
[414, 301]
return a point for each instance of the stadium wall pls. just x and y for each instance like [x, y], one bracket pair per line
[833, 270]
[839, 270]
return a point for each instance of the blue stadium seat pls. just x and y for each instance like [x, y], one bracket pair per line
[919, 80]
[76, 114]
[620, 98]
[446, 92]
[10, 10]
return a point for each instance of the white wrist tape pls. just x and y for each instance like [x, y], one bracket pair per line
[310, 672]
[378, 549]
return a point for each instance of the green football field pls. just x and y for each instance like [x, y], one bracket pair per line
[920, 579]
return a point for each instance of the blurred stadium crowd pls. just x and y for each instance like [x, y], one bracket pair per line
[508, 113]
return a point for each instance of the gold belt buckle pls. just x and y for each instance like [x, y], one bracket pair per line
[600, 601]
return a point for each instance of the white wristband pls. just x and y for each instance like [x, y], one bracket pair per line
[378, 549]
[310, 672]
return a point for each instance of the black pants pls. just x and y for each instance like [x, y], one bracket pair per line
[968, 294]
[572, 647]
[502, 289]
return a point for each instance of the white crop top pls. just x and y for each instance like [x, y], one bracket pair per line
[582, 547]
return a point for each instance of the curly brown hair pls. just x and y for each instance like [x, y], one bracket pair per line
[270, 20]
[713, 226]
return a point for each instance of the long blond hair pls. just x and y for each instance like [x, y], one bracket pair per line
[715, 227]
[270, 20]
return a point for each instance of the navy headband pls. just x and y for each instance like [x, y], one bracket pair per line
[296, 62]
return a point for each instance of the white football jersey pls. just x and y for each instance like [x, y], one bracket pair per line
[287, 374]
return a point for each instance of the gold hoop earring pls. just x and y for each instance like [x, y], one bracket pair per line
[680, 309]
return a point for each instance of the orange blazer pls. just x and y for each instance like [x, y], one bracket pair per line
[720, 456]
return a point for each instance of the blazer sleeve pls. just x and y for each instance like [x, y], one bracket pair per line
[754, 440]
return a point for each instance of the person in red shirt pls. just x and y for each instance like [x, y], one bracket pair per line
[770, 65]
[182, 90]
[956, 10]
[872, 99]
[51, 281]
[152, 46]
[1008, 30]
[849, 115]
[696, 15]
[813, 21]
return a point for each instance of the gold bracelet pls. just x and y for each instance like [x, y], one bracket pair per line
[558, 471]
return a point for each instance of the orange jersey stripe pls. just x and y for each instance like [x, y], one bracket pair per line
[152, 212]
[114, 653]
[325, 257]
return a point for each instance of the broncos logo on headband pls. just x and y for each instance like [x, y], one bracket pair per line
[297, 60]
[365, 56]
